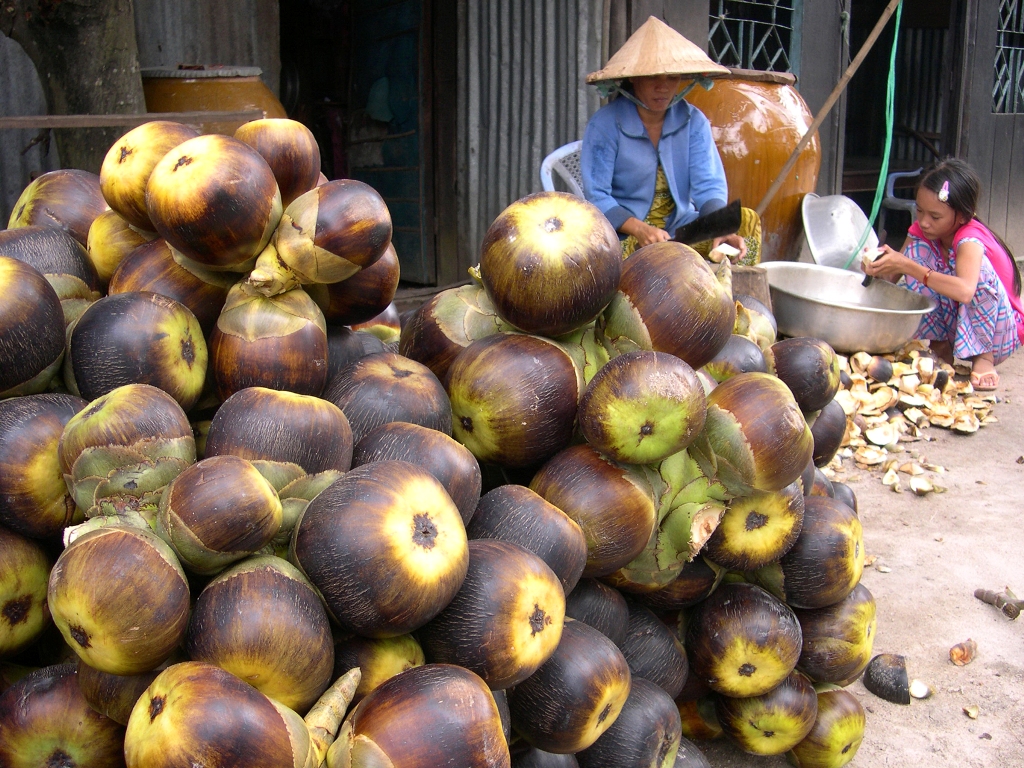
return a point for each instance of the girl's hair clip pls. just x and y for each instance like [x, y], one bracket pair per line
[944, 192]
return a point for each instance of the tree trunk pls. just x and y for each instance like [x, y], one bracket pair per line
[87, 58]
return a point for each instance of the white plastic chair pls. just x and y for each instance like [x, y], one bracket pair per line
[564, 163]
[893, 203]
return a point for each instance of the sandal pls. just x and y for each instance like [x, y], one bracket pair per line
[984, 382]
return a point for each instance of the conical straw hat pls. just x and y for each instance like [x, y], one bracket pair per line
[656, 49]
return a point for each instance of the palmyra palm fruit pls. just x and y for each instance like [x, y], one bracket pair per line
[197, 714]
[34, 499]
[217, 511]
[262, 621]
[67, 198]
[121, 451]
[435, 714]
[32, 338]
[119, 596]
[331, 232]
[215, 199]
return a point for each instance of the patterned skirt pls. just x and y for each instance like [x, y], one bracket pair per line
[986, 325]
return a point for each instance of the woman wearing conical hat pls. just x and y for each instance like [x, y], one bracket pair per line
[648, 160]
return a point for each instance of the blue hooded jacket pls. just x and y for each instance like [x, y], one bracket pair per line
[619, 163]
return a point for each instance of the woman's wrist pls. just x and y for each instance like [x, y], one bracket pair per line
[631, 226]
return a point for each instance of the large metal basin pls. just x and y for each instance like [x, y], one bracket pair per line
[831, 304]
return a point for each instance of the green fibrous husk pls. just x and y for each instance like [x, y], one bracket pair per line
[771, 578]
[587, 349]
[110, 480]
[469, 312]
[732, 446]
[754, 326]
[127, 518]
[278, 473]
[690, 506]
[270, 276]
[623, 328]
[119, 453]
[38, 383]
[75, 296]
[295, 497]
[296, 489]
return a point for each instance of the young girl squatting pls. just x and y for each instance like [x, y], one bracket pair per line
[953, 258]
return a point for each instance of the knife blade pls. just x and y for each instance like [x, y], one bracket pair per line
[724, 221]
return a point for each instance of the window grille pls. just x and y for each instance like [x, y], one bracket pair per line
[755, 34]
[1008, 91]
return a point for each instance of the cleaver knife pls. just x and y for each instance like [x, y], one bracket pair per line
[724, 221]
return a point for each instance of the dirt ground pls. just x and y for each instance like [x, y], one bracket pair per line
[932, 553]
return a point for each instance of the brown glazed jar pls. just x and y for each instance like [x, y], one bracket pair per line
[209, 88]
[757, 119]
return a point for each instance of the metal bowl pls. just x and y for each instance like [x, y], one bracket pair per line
[831, 304]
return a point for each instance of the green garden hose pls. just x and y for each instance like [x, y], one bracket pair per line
[890, 99]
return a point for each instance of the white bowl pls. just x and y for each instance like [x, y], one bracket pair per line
[833, 226]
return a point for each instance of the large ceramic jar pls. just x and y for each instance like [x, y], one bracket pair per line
[214, 88]
[757, 119]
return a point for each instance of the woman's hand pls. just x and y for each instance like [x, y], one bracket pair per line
[736, 242]
[644, 233]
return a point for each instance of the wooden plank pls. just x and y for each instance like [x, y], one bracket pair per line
[1014, 231]
[997, 192]
[428, 211]
[980, 142]
[823, 57]
[960, 52]
[451, 263]
[690, 19]
[107, 121]
[751, 281]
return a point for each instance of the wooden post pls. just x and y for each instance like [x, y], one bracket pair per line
[751, 281]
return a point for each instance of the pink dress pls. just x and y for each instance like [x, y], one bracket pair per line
[991, 322]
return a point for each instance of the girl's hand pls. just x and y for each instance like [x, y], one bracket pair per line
[644, 233]
[890, 265]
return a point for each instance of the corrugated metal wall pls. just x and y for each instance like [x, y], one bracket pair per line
[522, 95]
[20, 94]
